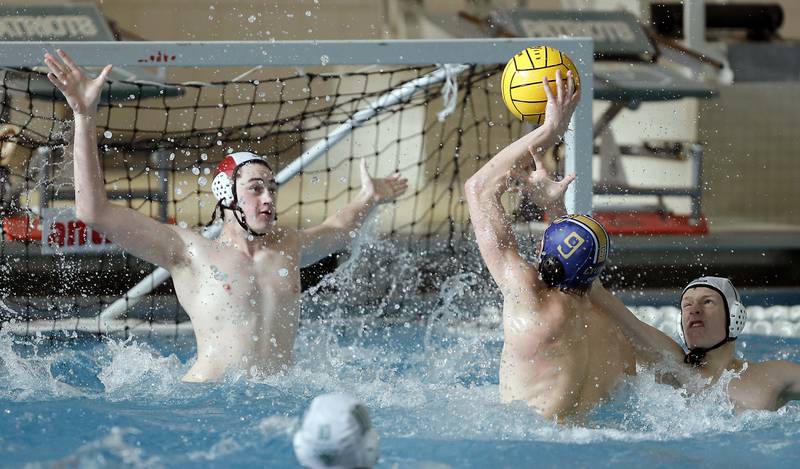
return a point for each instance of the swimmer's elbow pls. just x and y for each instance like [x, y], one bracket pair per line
[91, 213]
[473, 186]
[477, 189]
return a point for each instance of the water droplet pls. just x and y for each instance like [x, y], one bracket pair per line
[283, 272]
[352, 234]
[202, 181]
[308, 12]
[195, 170]
[324, 59]
[252, 18]
[314, 179]
[107, 134]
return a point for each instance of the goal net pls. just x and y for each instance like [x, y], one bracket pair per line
[159, 143]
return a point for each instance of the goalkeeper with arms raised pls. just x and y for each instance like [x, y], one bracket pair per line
[561, 355]
[242, 290]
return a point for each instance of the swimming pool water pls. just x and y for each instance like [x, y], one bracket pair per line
[431, 389]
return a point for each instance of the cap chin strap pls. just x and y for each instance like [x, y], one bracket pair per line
[697, 355]
[238, 214]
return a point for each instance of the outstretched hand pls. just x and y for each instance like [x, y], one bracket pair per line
[545, 191]
[560, 106]
[82, 92]
[382, 190]
[536, 182]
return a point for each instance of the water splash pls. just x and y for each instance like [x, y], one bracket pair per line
[25, 373]
[133, 370]
[432, 380]
[110, 450]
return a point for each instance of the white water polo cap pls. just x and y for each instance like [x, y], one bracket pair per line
[223, 183]
[336, 433]
[737, 314]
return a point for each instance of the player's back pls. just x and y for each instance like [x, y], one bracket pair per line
[560, 355]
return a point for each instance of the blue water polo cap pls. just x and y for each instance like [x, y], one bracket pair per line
[574, 252]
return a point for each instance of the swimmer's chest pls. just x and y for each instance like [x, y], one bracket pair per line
[272, 274]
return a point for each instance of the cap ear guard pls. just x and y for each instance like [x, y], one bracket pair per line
[222, 187]
[680, 327]
[370, 448]
[737, 319]
[551, 270]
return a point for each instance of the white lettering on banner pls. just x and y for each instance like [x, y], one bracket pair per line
[63, 232]
[612, 31]
[46, 27]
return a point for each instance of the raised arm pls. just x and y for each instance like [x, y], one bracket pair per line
[136, 233]
[333, 234]
[493, 231]
[651, 345]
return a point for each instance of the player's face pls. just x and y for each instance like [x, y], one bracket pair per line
[703, 317]
[256, 191]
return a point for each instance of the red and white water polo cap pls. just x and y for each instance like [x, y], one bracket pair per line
[222, 186]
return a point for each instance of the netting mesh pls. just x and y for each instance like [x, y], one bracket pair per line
[159, 145]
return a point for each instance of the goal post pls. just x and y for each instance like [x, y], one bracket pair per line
[332, 53]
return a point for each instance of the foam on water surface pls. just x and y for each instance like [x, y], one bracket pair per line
[431, 386]
[122, 402]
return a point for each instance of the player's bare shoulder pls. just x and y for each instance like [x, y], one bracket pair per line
[194, 245]
[281, 247]
[285, 239]
[760, 384]
[770, 372]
